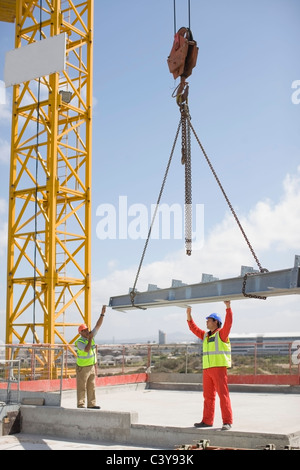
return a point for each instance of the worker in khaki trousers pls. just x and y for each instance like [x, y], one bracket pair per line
[85, 365]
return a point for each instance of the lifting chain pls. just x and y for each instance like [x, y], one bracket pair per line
[254, 296]
[133, 292]
[186, 161]
[186, 126]
[262, 270]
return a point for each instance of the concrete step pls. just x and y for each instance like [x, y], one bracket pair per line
[240, 388]
[123, 428]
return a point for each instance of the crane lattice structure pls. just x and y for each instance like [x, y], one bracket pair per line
[49, 228]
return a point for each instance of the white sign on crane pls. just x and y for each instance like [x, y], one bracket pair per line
[35, 60]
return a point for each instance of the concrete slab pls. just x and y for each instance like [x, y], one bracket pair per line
[253, 412]
[33, 442]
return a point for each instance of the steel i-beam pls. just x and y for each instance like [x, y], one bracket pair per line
[266, 284]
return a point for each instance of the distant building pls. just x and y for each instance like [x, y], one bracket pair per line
[161, 337]
[265, 343]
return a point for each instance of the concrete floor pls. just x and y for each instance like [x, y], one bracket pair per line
[253, 412]
[271, 413]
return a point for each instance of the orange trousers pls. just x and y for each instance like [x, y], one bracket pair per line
[215, 381]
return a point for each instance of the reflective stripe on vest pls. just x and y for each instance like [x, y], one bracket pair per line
[216, 353]
[86, 358]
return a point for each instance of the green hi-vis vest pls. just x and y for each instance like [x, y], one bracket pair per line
[86, 358]
[216, 353]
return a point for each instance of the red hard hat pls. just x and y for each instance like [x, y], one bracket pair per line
[82, 327]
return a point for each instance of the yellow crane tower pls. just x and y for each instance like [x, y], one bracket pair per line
[49, 228]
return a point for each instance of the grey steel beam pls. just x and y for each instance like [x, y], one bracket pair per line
[266, 284]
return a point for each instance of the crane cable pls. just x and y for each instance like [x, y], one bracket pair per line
[174, 14]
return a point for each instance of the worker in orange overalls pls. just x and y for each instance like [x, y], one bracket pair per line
[216, 360]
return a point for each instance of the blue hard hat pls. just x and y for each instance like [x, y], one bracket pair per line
[215, 316]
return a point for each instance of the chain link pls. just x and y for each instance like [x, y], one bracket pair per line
[187, 162]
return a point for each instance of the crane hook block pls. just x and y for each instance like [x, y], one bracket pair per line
[183, 55]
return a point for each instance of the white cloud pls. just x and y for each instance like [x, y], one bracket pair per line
[5, 106]
[3, 206]
[4, 151]
[112, 264]
[277, 225]
[3, 227]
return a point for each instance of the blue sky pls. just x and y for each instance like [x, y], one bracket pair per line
[247, 115]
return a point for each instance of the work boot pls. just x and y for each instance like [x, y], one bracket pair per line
[94, 407]
[202, 425]
[226, 427]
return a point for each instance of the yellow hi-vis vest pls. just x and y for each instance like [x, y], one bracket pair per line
[86, 358]
[216, 353]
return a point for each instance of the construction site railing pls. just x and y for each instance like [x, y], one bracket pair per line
[248, 358]
[21, 365]
[57, 362]
[10, 380]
